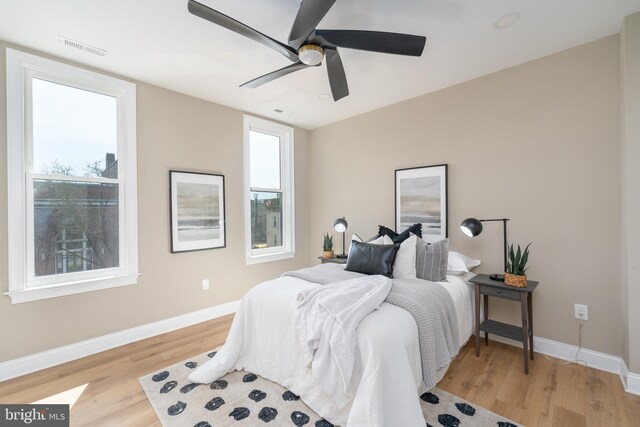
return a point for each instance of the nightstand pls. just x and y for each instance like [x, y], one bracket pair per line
[333, 260]
[487, 287]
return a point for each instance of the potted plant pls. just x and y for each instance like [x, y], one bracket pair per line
[327, 246]
[517, 267]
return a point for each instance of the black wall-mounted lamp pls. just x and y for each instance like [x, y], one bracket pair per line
[472, 227]
[340, 225]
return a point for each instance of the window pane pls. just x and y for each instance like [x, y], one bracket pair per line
[266, 219]
[264, 160]
[75, 226]
[75, 131]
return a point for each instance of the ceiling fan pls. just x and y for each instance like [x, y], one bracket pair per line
[308, 46]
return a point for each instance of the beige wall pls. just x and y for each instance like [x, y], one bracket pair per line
[630, 50]
[538, 143]
[174, 132]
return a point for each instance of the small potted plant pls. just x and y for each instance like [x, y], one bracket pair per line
[327, 246]
[517, 267]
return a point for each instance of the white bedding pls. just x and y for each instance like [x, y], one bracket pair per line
[327, 323]
[387, 372]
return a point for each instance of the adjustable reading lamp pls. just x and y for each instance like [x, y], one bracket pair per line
[472, 227]
[340, 225]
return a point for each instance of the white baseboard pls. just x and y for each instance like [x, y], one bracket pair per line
[595, 359]
[46, 359]
[633, 383]
[623, 373]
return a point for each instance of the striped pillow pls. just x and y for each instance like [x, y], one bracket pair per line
[431, 260]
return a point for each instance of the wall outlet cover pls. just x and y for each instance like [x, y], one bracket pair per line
[205, 284]
[582, 312]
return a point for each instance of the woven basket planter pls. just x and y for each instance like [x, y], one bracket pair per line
[327, 254]
[516, 281]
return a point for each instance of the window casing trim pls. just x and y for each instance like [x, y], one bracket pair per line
[286, 135]
[70, 288]
[23, 286]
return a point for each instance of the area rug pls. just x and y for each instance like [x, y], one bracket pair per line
[242, 398]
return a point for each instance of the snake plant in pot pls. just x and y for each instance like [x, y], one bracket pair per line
[517, 267]
[327, 246]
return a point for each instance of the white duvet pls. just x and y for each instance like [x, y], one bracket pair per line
[327, 321]
[387, 371]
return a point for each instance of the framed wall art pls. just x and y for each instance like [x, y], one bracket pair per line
[421, 197]
[197, 211]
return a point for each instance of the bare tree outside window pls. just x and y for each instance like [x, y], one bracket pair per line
[76, 222]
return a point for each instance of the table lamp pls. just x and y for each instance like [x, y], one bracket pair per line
[340, 225]
[472, 227]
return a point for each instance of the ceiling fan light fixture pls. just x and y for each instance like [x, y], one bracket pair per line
[311, 54]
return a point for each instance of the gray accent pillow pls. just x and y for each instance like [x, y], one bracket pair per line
[431, 260]
[368, 258]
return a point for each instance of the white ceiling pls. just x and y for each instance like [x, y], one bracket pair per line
[159, 42]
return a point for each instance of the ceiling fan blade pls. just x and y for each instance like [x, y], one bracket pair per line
[309, 15]
[337, 77]
[259, 81]
[375, 41]
[229, 23]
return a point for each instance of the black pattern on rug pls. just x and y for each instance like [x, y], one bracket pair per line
[243, 398]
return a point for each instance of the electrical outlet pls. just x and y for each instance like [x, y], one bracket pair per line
[582, 312]
[205, 284]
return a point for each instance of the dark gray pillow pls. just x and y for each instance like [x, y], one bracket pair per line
[372, 259]
[431, 260]
[399, 238]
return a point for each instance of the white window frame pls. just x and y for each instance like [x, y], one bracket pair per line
[286, 135]
[23, 285]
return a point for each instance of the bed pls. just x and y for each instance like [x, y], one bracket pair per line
[387, 373]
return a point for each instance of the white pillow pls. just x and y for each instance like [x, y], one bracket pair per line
[382, 240]
[404, 267]
[460, 264]
[356, 238]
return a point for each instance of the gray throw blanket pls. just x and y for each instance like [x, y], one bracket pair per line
[428, 302]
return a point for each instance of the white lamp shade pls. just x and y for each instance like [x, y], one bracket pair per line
[340, 225]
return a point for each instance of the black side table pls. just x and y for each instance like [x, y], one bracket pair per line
[334, 260]
[487, 287]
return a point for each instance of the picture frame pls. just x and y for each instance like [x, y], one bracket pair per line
[197, 211]
[421, 196]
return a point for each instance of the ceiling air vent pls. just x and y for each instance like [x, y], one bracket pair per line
[82, 46]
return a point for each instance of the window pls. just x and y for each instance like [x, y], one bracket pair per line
[72, 179]
[268, 153]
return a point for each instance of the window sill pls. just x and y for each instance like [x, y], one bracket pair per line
[53, 291]
[259, 259]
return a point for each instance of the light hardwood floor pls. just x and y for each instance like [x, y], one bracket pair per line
[551, 395]
[568, 395]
